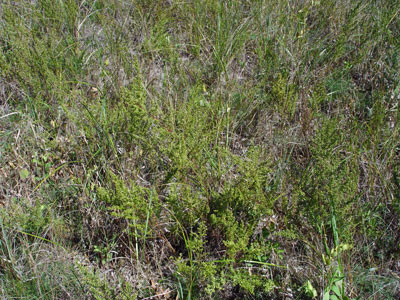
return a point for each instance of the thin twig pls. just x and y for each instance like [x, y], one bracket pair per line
[158, 295]
[10, 114]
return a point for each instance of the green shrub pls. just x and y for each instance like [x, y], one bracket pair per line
[138, 205]
[329, 185]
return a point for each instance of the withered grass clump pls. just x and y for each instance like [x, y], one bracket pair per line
[199, 150]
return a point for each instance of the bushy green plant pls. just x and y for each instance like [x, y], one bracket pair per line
[138, 205]
[283, 96]
[330, 182]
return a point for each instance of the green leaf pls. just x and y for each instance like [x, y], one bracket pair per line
[333, 297]
[310, 290]
[326, 295]
[336, 290]
[23, 174]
